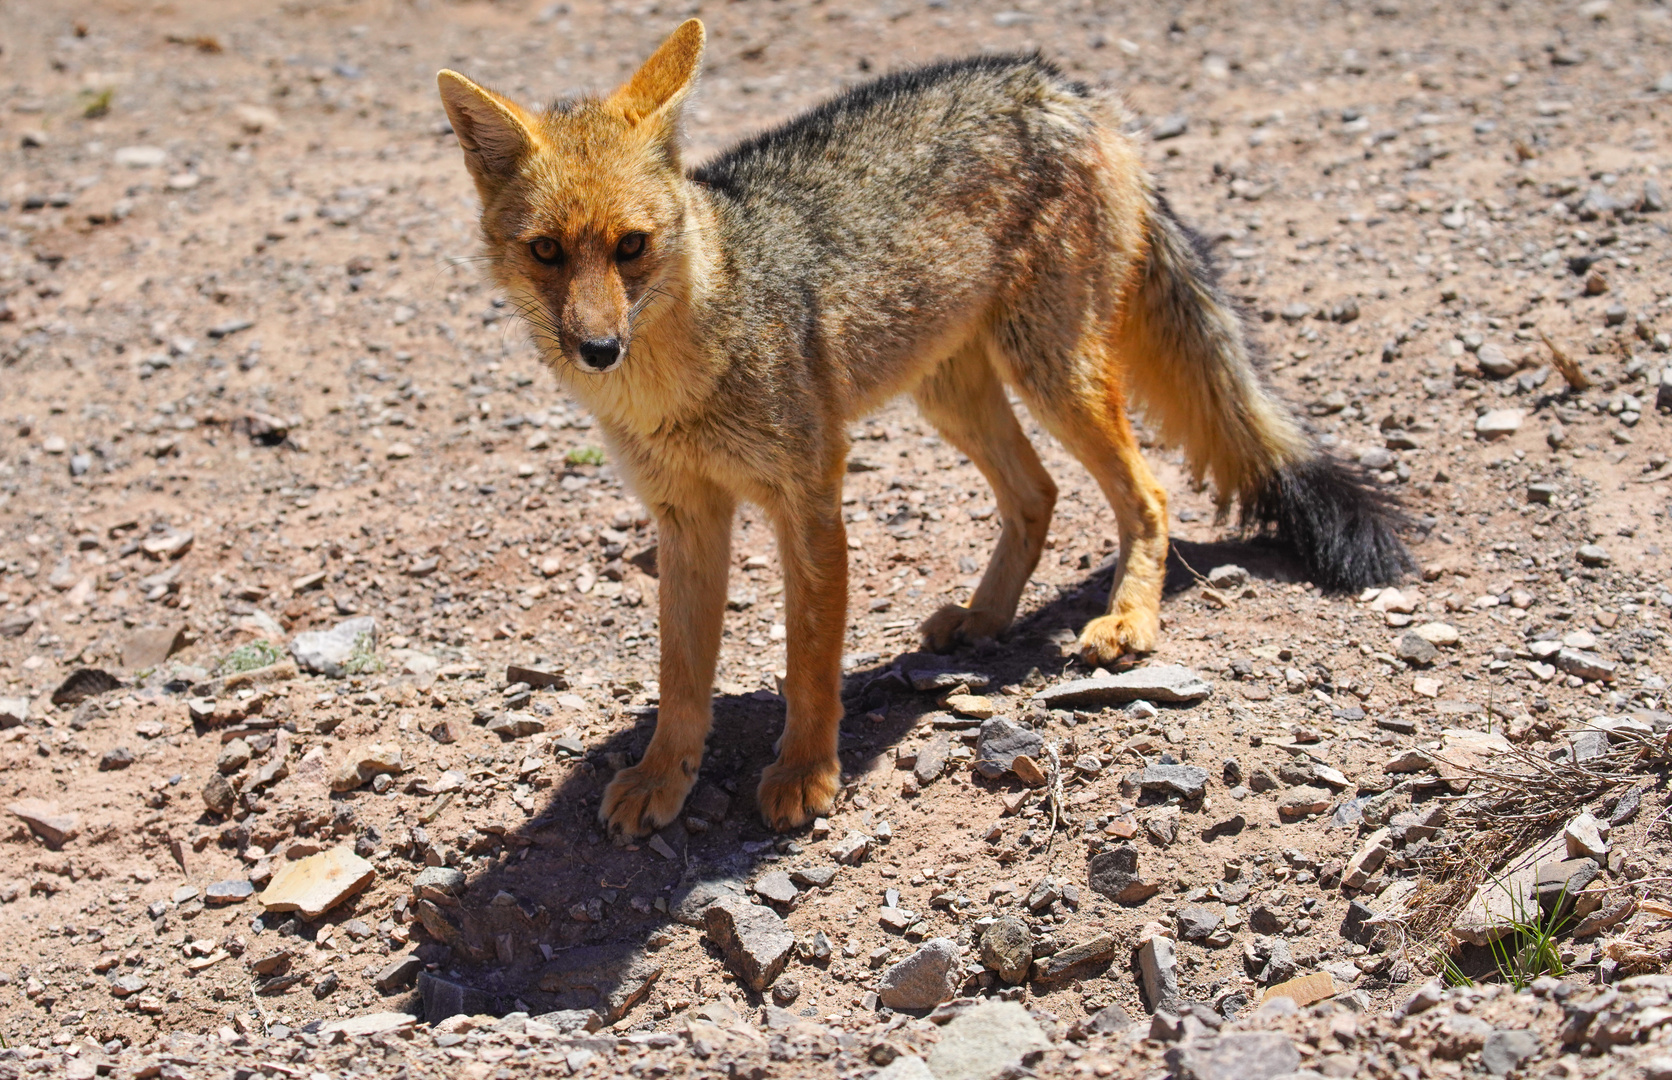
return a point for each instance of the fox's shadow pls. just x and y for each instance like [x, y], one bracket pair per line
[556, 916]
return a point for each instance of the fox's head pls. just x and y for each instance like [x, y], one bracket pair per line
[582, 206]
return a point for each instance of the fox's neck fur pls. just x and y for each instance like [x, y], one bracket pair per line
[667, 374]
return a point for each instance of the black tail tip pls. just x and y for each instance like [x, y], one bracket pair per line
[1344, 528]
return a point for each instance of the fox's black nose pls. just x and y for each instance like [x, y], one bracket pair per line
[600, 353]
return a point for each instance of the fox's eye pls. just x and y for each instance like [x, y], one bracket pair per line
[546, 250]
[631, 246]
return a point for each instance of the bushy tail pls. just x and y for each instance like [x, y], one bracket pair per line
[1192, 369]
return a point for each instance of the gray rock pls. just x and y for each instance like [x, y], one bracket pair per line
[233, 891]
[1076, 959]
[14, 712]
[1229, 576]
[931, 759]
[1495, 362]
[1007, 948]
[570, 1021]
[1506, 1049]
[233, 756]
[398, 972]
[1197, 922]
[925, 681]
[904, 1067]
[609, 979]
[690, 905]
[1593, 555]
[1109, 1020]
[814, 877]
[776, 886]
[990, 1040]
[1158, 963]
[1496, 423]
[924, 979]
[444, 879]
[1586, 665]
[1114, 873]
[1163, 682]
[218, 795]
[1187, 781]
[326, 652]
[999, 744]
[116, 759]
[851, 849]
[1246, 1055]
[445, 997]
[1170, 127]
[755, 941]
[127, 985]
[516, 725]
[1415, 649]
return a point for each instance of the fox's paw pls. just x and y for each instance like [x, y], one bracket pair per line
[641, 800]
[956, 624]
[1109, 637]
[793, 795]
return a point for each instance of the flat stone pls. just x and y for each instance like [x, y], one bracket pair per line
[1189, 782]
[116, 759]
[1303, 802]
[931, 759]
[443, 998]
[924, 681]
[1197, 922]
[1114, 873]
[1306, 990]
[318, 883]
[905, 1067]
[1158, 964]
[399, 972]
[127, 985]
[443, 879]
[1587, 665]
[776, 886]
[995, 1038]
[1505, 1049]
[1246, 1055]
[1007, 948]
[814, 877]
[46, 821]
[1163, 682]
[1496, 423]
[924, 979]
[1076, 959]
[516, 725]
[690, 905]
[232, 891]
[999, 744]
[1586, 837]
[1371, 854]
[149, 646]
[234, 755]
[371, 1023]
[1413, 648]
[331, 652]
[756, 943]
[606, 979]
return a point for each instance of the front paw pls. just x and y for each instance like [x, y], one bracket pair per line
[641, 799]
[1106, 639]
[792, 795]
[955, 625]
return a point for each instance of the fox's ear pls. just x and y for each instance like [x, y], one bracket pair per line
[493, 132]
[666, 78]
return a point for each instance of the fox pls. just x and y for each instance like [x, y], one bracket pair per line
[952, 232]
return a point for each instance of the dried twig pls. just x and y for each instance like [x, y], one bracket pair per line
[1055, 784]
[1565, 364]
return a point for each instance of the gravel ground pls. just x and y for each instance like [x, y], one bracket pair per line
[253, 389]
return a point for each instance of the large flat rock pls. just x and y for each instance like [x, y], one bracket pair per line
[318, 883]
[1164, 682]
[989, 1040]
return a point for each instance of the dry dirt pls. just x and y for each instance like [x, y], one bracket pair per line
[251, 384]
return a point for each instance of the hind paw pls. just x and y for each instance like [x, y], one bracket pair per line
[956, 624]
[1106, 639]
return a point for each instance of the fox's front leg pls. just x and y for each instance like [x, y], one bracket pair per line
[813, 546]
[693, 557]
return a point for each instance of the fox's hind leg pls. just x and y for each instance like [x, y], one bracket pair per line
[1088, 414]
[965, 400]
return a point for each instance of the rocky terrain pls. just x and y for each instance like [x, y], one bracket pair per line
[325, 618]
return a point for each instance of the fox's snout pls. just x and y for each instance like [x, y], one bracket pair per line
[601, 354]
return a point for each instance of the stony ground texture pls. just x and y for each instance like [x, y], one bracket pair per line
[284, 478]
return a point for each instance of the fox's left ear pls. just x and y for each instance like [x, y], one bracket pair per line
[493, 131]
[656, 90]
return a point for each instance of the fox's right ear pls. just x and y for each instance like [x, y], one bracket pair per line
[665, 79]
[493, 132]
